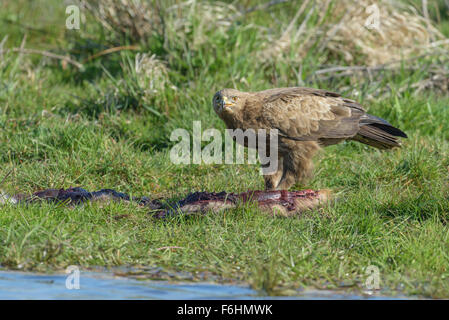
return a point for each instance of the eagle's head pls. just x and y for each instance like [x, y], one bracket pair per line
[228, 101]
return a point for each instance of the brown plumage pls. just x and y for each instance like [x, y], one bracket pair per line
[307, 119]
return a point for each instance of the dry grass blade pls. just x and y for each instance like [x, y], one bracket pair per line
[46, 54]
[6, 177]
[169, 248]
[110, 50]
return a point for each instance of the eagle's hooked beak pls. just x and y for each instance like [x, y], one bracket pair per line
[227, 103]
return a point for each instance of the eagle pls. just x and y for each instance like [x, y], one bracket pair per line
[307, 119]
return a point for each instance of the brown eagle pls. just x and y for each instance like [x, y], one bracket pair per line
[306, 119]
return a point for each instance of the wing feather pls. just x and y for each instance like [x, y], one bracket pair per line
[306, 114]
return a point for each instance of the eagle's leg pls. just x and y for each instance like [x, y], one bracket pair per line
[272, 180]
[298, 165]
[288, 174]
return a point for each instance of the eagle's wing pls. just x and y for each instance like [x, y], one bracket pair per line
[306, 114]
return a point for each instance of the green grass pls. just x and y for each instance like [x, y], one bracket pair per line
[61, 127]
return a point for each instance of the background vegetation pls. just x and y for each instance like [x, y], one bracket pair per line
[99, 115]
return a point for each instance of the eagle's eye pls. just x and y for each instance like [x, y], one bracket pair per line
[234, 98]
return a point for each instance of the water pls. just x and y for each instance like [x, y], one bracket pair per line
[95, 285]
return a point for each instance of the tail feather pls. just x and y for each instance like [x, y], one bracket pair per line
[378, 133]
